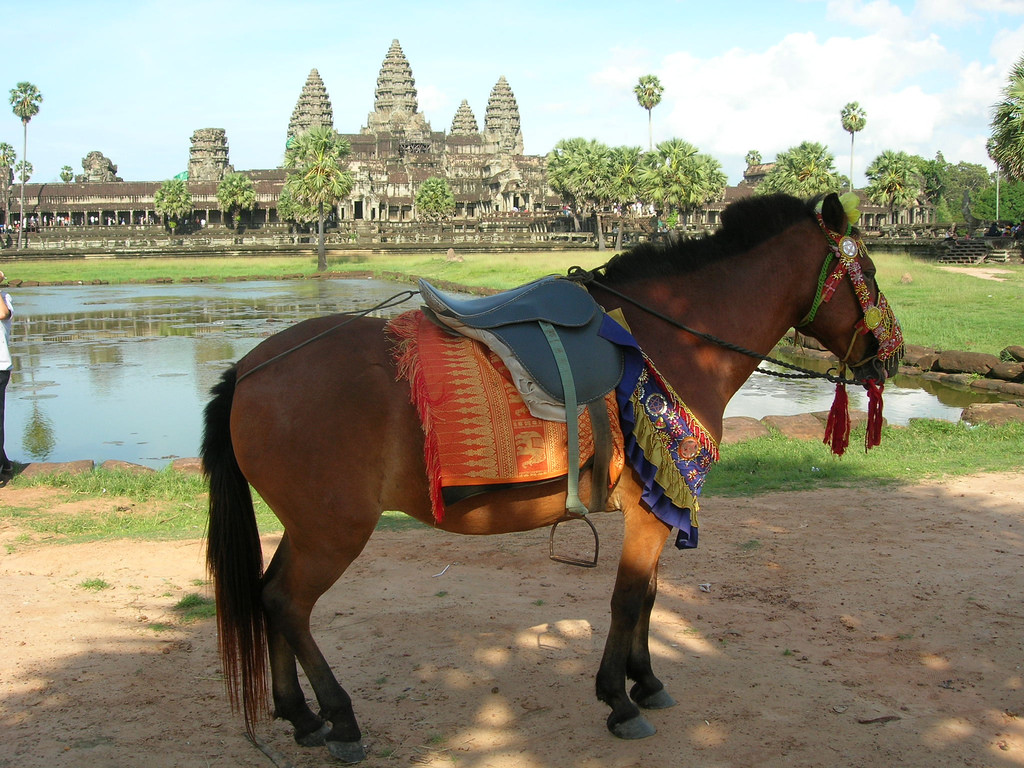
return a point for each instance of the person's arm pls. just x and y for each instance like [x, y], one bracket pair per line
[5, 306]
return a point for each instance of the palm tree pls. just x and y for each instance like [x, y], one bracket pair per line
[435, 200]
[7, 158]
[67, 174]
[562, 163]
[805, 170]
[854, 118]
[626, 187]
[893, 181]
[236, 192]
[173, 200]
[680, 178]
[1007, 145]
[648, 95]
[753, 158]
[314, 161]
[25, 101]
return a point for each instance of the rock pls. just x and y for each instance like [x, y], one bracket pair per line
[966, 362]
[127, 466]
[913, 354]
[37, 468]
[1008, 371]
[737, 429]
[803, 426]
[995, 414]
[190, 465]
[1014, 353]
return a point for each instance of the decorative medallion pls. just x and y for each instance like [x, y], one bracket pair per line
[872, 317]
[848, 246]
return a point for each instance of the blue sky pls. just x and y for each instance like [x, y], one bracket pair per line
[135, 79]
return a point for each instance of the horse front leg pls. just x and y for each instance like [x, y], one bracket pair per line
[625, 652]
[649, 692]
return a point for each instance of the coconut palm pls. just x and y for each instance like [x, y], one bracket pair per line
[236, 192]
[893, 181]
[1007, 144]
[25, 101]
[173, 200]
[7, 159]
[854, 118]
[314, 160]
[648, 95]
[805, 170]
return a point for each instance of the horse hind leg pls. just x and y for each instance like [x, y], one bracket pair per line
[289, 699]
[294, 583]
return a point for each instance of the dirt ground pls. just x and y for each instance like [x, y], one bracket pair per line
[854, 627]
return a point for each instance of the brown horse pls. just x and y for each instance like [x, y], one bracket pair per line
[329, 438]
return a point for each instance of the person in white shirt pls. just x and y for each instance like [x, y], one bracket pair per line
[6, 311]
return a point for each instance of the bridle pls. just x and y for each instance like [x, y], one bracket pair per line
[846, 249]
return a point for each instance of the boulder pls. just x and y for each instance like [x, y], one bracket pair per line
[1014, 354]
[189, 465]
[995, 414]
[966, 362]
[1008, 371]
[803, 426]
[737, 429]
[126, 466]
[913, 354]
[37, 468]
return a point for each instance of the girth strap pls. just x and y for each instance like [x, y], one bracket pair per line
[572, 499]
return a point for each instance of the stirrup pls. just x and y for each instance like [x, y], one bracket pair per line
[572, 560]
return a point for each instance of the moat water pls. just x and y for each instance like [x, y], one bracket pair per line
[124, 371]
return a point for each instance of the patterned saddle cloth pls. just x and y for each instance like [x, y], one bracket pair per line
[477, 428]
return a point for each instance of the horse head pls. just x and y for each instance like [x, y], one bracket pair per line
[849, 314]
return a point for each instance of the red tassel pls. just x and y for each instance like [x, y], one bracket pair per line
[873, 435]
[837, 428]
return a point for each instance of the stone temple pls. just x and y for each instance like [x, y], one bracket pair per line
[392, 154]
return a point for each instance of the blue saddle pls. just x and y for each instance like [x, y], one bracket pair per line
[517, 318]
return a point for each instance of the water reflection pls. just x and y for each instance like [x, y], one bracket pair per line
[124, 372]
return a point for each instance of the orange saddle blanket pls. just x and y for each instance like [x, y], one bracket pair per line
[477, 429]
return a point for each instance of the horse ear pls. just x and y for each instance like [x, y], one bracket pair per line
[833, 213]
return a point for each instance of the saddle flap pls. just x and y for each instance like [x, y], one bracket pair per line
[552, 299]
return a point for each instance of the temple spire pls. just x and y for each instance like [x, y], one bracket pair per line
[395, 108]
[313, 107]
[464, 122]
[501, 123]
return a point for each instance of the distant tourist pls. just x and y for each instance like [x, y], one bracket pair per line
[6, 311]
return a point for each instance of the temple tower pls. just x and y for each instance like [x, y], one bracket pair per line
[208, 156]
[464, 122]
[313, 107]
[395, 109]
[501, 122]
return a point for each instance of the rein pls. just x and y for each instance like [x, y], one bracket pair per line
[391, 301]
[587, 277]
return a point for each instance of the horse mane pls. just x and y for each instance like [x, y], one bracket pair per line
[745, 224]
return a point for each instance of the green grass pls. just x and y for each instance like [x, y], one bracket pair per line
[924, 449]
[94, 585]
[193, 607]
[954, 311]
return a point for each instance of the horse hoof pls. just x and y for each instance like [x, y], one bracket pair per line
[315, 738]
[347, 751]
[657, 700]
[636, 727]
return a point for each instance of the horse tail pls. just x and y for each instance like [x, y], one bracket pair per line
[234, 558]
